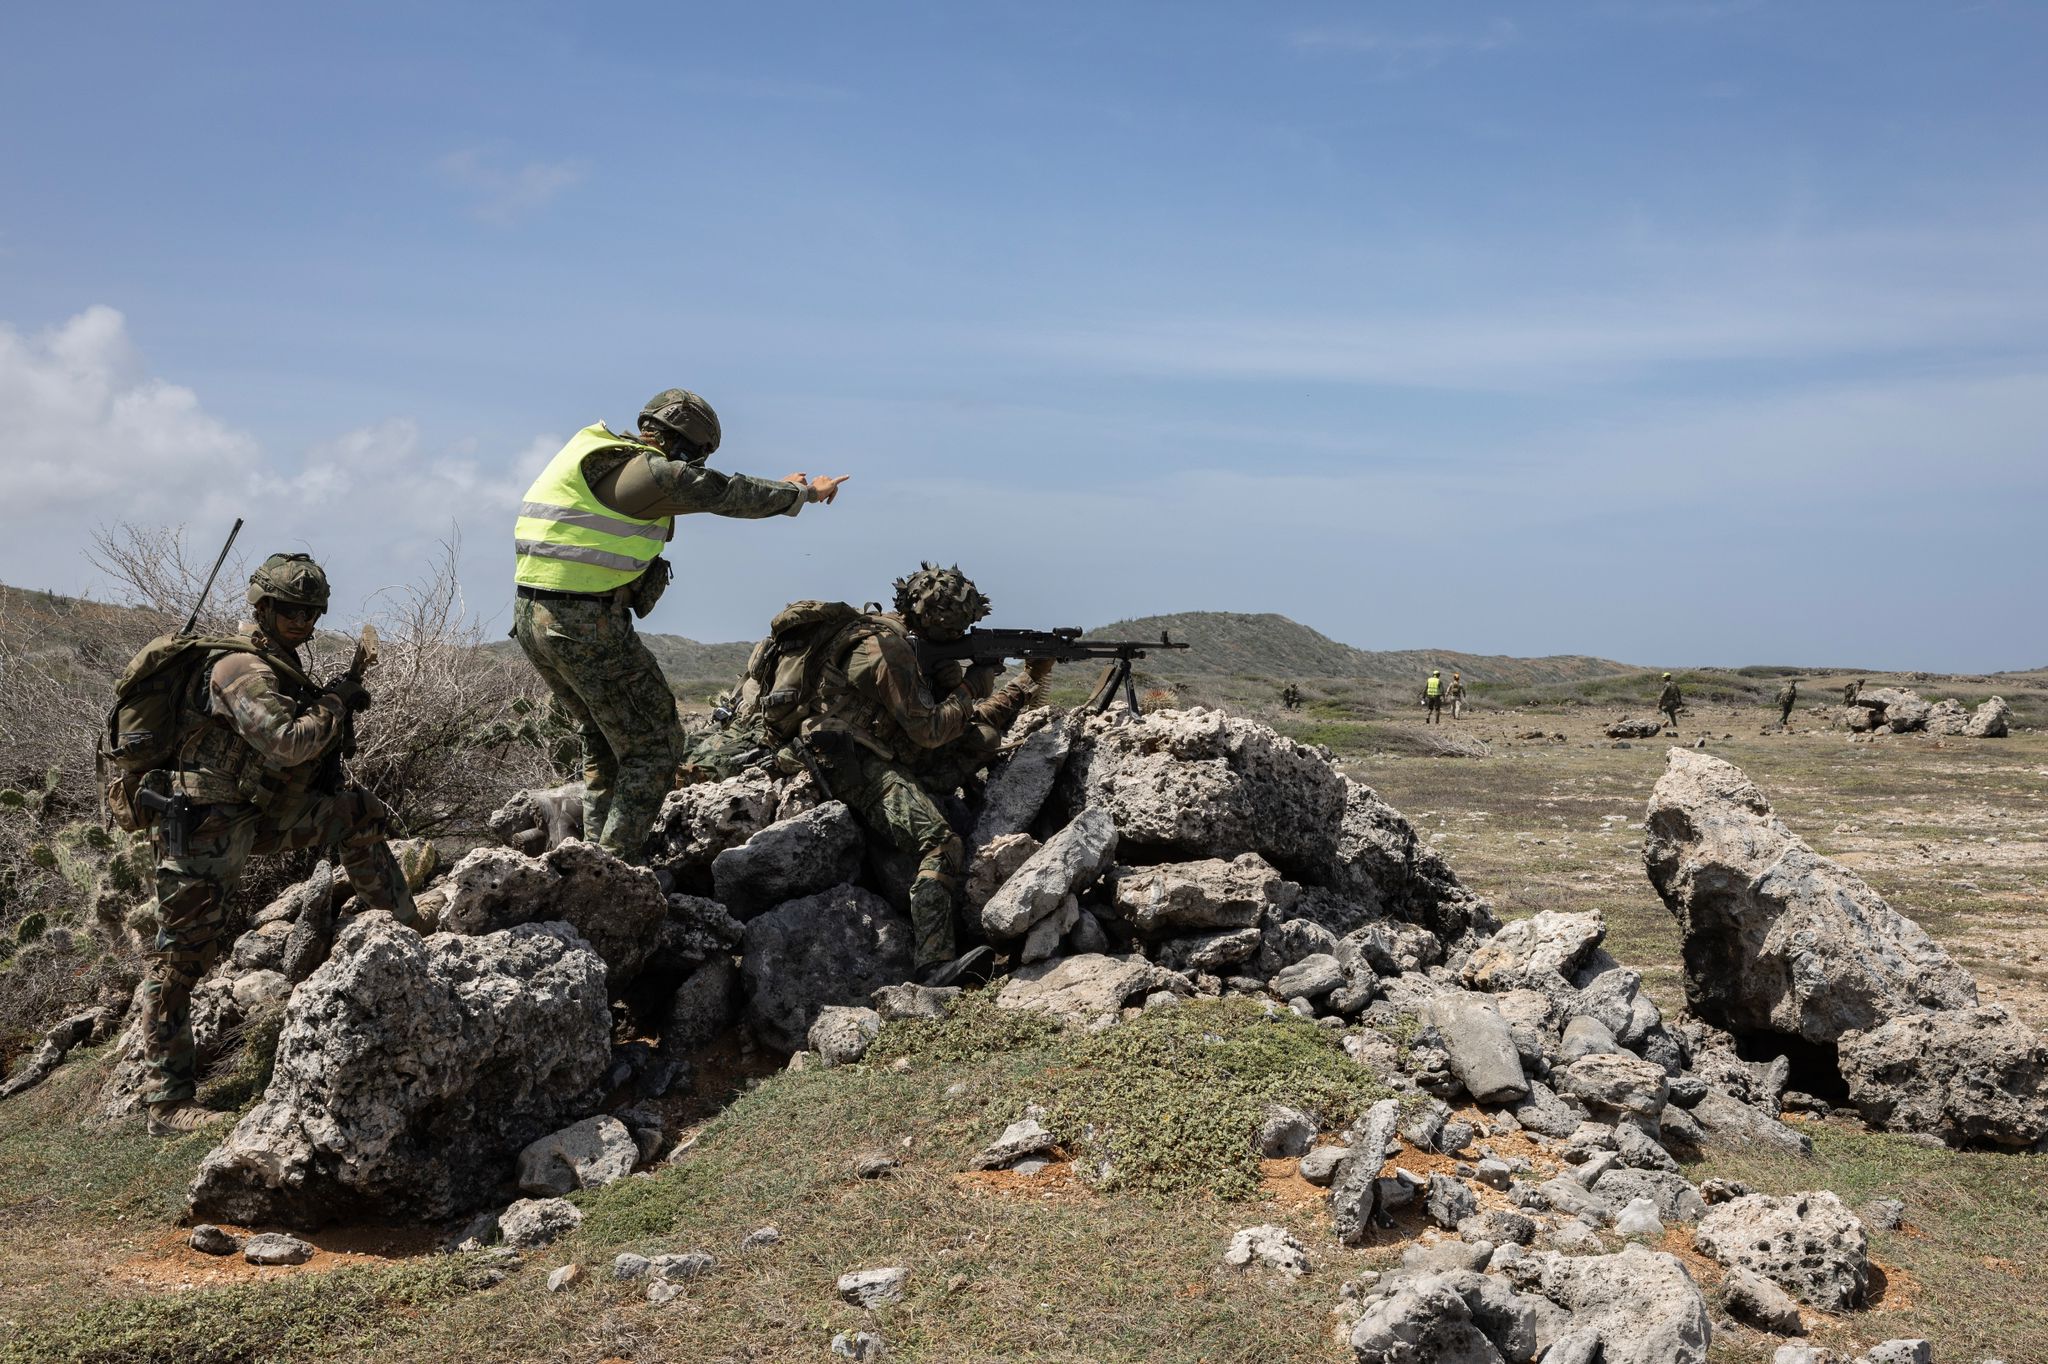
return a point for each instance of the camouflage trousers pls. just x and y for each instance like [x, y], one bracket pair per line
[1785, 713]
[1436, 710]
[191, 895]
[604, 677]
[896, 803]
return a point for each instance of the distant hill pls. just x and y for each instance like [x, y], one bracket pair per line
[1266, 644]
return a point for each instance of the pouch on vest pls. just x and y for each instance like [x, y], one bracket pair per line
[648, 587]
[790, 666]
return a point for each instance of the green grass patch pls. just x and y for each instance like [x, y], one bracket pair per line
[289, 1318]
[972, 1030]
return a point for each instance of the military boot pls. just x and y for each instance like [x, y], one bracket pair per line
[972, 967]
[181, 1116]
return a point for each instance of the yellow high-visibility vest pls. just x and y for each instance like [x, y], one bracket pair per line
[568, 541]
[1435, 686]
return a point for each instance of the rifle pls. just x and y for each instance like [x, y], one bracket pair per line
[1061, 646]
[365, 658]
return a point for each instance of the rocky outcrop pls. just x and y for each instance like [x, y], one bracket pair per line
[1018, 786]
[532, 822]
[1639, 1305]
[1197, 783]
[1628, 728]
[616, 907]
[1973, 1077]
[836, 947]
[411, 1071]
[1776, 938]
[1380, 865]
[699, 822]
[1084, 989]
[1538, 953]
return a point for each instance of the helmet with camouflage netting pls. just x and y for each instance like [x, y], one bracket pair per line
[291, 578]
[940, 602]
[687, 416]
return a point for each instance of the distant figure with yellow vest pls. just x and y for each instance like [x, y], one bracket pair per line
[589, 539]
[1433, 697]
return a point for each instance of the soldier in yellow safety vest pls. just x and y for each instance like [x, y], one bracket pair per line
[588, 540]
[1433, 697]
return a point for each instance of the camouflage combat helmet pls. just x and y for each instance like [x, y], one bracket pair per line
[940, 602]
[292, 578]
[683, 413]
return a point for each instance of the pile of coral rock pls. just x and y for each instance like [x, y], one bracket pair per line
[1125, 864]
[1894, 710]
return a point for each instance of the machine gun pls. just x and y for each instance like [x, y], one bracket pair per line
[996, 647]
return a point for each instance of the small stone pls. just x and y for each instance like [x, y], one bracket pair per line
[1639, 1218]
[629, 1266]
[1026, 1137]
[534, 1222]
[566, 1277]
[1882, 1214]
[211, 1240]
[1319, 1166]
[692, 1264]
[1449, 1201]
[275, 1248]
[1494, 1174]
[858, 1345]
[872, 1288]
[1285, 1132]
[875, 1165]
[1901, 1352]
[1455, 1136]
[761, 1238]
[1275, 1247]
[661, 1291]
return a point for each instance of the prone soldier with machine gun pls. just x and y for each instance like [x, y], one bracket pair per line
[893, 713]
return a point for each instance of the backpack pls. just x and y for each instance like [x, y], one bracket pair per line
[788, 666]
[151, 715]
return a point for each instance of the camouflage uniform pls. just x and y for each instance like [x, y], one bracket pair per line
[894, 740]
[586, 650]
[1668, 701]
[1456, 692]
[1787, 698]
[254, 776]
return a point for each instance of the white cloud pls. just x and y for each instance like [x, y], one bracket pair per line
[503, 195]
[89, 438]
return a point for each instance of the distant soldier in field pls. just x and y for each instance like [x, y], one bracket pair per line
[1457, 695]
[1851, 692]
[1433, 697]
[588, 539]
[1290, 697]
[259, 770]
[1669, 701]
[1787, 698]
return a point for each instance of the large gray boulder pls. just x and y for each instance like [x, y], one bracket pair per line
[1776, 938]
[1018, 786]
[1378, 863]
[1968, 1076]
[788, 860]
[1212, 952]
[1198, 783]
[1086, 989]
[1199, 897]
[835, 947]
[1990, 720]
[1482, 1050]
[1422, 1319]
[615, 906]
[1641, 1303]
[1539, 953]
[585, 1155]
[1354, 1192]
[410, 1071]
[1808, 1244]
[1071, 860]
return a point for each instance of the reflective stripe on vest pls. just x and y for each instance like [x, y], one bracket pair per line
[569, 541]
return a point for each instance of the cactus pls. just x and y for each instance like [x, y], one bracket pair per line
[43, 855]
[32, 926]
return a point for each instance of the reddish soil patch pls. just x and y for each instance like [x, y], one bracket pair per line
[169, 1262]
[1057, 1182]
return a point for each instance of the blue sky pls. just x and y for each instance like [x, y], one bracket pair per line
[1675, 332]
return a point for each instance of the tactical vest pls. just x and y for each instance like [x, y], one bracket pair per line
[840, 707]
[216, 765]
[569, 541]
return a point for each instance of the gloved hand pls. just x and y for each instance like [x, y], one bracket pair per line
[349, 690]
[981, 680]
